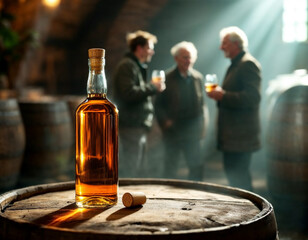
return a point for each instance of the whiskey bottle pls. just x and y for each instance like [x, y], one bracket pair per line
[96, 183]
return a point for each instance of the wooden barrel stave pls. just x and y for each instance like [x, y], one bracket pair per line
[12, 143]
[287, 153]
[287, 146]
[49, 137]
[168, 201]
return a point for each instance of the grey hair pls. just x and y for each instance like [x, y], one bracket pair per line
[189, 46]
[235, 34]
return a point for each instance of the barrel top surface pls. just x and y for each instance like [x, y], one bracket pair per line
[169, 208]
[9, 103]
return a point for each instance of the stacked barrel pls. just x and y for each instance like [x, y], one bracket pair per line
[287, 151]
[36, 139]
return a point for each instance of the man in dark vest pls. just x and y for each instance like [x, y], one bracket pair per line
[181, 113]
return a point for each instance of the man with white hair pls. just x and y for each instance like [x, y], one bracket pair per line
[238, 102]
[180, 111]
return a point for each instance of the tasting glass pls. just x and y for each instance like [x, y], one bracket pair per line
[158, 76]
[211, 82]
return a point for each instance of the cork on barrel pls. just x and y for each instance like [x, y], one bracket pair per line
[133, 199]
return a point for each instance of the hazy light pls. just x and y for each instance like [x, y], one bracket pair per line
[51, 3]
[294, 21]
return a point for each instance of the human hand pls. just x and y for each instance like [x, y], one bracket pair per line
[160, 85]
[216, 94]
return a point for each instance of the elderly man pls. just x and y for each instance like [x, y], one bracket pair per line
[132, 94]
[238, 108]
[181, 113]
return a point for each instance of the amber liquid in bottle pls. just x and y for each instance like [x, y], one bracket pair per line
[96, 152]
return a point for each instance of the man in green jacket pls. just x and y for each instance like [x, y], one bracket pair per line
[132, 95]
[238, 102]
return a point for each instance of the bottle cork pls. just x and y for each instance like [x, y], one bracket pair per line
[96, 56]
[96, 53]
[133, 199]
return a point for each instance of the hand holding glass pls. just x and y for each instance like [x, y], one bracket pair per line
[211, 82]
[158, 76]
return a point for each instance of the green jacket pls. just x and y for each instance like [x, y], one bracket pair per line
[238, 111]
[132, 94]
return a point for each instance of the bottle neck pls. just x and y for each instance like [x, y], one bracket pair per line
[97, 84]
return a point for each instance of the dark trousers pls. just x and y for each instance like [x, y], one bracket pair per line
[132, 152]
[192, 151]
[236, 166]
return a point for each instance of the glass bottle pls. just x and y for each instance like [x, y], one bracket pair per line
[96, 141]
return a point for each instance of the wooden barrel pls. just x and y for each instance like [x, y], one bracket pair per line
[48, 140]
[287, 150]
[174, 210]
[73, 101]
[12, 143]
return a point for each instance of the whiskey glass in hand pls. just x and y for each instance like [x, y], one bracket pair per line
[158, 76]
[211, 82]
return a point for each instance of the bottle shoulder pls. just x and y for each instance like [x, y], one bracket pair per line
[97, 104]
